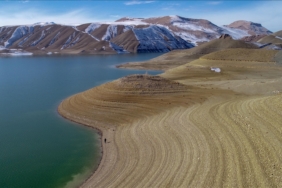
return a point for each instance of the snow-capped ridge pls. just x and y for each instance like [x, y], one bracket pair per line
[43, 23]
[157, 34]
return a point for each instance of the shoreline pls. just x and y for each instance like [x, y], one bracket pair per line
[104, 132]
[181, 128]
[102, 147]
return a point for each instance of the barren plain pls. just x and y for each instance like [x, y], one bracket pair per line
[190, 126]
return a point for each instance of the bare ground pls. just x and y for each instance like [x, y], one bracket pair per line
[189, 127]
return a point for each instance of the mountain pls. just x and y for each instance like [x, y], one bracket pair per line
[126, 35]
[200, 30]
[250, 27]
[48, 38]
[91, 38]
[192, 30]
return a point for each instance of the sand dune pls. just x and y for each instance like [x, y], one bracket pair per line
[188, 127]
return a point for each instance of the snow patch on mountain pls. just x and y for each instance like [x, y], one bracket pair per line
[54, 39]
[43, 23]
[2, 48]
[69, 41]
[92, 27]
[75, 41]
[17, 34]
[75, 28]
[127, 28]
[130, 21]
[110, 33]
[278, 37]
[193, 27]
[117, 48]
[234, 32]
[133, 23]
[158, 39]
[192, 38]
[17, 52]
[175, 18]
[38, 40]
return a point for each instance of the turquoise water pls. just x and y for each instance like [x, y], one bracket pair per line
[38, 148]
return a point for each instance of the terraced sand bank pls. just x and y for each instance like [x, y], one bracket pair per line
[189, 127]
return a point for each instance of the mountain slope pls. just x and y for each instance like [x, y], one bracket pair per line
[180, 57]
[200, 30]
[135, 35]
[151, 39]
[251, 27]
[48, 38]
[91, 38]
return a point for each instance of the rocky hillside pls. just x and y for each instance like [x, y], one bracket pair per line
[91, 38]
[200, 30]
[126, 35]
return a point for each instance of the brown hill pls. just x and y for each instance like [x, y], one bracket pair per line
[275, 38]
[252, 38]
[251, 27]
[179, 57]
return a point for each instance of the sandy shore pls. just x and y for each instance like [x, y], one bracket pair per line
[190, 126]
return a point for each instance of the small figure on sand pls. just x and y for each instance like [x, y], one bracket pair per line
[105, 140]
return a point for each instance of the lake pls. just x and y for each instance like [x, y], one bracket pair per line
[38, 148]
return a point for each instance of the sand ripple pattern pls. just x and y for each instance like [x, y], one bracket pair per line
[230, 141]
[161, 133]
[236, 143]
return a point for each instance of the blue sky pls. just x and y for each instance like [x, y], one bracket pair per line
[268, 13]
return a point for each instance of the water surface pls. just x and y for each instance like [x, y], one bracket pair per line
[38, 148]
